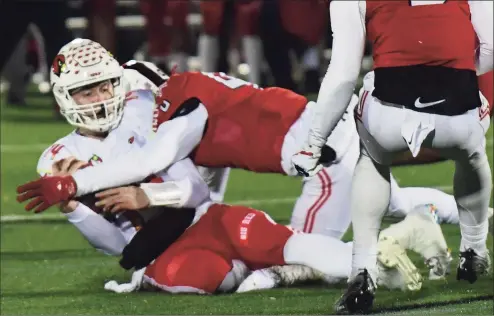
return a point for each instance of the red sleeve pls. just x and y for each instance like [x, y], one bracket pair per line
[486, 86]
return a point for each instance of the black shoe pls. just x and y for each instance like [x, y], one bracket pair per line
[359, 296]
[470, 265]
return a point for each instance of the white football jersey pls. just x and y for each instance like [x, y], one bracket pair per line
[133, 131]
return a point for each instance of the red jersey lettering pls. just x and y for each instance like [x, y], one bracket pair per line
[246, 125]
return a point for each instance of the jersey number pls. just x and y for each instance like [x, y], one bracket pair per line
[230, 82]
[415, 3]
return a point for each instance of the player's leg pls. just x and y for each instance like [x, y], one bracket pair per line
[379, 128]
[403, 200]
[324, 205]
[472, 187]
[217, 180]
[188, 271]
[247, 26]
[208, 46]
[260, 242]
[421, 233]
[369, 200]
[200, 261]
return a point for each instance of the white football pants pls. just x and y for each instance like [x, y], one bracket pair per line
[387, 130]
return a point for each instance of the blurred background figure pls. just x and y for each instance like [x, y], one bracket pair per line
[166, 27]
[269, 42]
[217, 16]
[295, 30]
[101, 16]
[26, 27]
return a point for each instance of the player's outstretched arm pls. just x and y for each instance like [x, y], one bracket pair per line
[174, 140]
[189, 188]
[482, 19]
[348, 25]
[335, 93]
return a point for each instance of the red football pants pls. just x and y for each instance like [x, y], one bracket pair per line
[201, 258]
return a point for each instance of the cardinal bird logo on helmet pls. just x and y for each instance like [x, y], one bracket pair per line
[59, 65]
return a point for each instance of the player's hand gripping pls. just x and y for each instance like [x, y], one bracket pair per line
[123, 198]
[306, 161]
[50, 190]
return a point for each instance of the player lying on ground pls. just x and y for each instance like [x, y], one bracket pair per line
[426, 60]
[199, 261]
[108, 129]
[224, 243]
[247, 127]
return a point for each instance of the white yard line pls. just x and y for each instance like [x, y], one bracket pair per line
[32, 148]
[254, 202]
[38, 148]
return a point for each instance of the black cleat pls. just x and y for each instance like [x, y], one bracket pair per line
[471, 264]
[359, 296]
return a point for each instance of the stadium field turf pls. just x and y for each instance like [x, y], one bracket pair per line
[48, 268]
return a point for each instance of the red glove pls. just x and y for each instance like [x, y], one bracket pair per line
[46, 192]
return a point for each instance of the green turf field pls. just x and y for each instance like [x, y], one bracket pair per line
[47, 268]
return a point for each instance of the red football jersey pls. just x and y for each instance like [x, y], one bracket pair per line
[433, 33]
[246, 125]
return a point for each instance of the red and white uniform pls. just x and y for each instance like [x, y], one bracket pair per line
[200, 260]
[425, 95]
[132, 132]
[246, 125]
[445, 36]
[236, 124]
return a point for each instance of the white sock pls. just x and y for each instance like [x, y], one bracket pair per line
[100, 233]
[472, 185]
[235, 277]
[474, 237]
[369, 202]
[252, 47]
[327, 255]
[209, 52]
[403, 200]
[399, 202]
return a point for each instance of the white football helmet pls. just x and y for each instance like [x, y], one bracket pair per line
[80, 63]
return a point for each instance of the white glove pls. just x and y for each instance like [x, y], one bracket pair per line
[306, 161]
[133, 286]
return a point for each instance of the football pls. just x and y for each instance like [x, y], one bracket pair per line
[90, 201]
